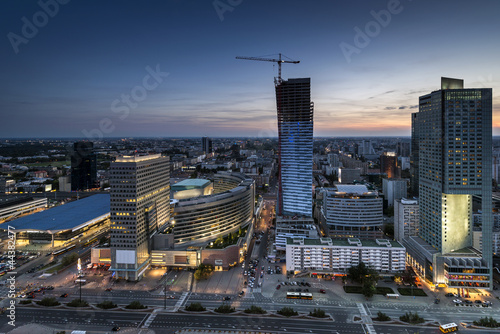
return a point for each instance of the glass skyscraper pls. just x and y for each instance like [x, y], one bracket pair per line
[295, 130]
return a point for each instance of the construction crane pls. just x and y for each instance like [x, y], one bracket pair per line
[279, 61]
[277, 83]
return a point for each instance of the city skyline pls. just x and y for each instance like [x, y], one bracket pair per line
[368, 62]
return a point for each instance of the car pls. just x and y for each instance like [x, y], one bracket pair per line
[245, 273]
[278, 287]
[436, 301]
[306, 290]
[109, 289]
[241, 293]
[322, 290]
[31, 296]
[308, 284]
[64, 295]
[457, 301]
[50, 287]
[464, 324]
[260, 284]
[449, 294]
[468, 302]
[477, 301]
[115, 329]
[226, 298]
[262, 268]
[299, 290]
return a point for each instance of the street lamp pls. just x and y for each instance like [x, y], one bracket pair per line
[79, 266]
[165, 293]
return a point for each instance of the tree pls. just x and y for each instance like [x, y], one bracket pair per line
[203, 272]
[225, 308]
[382, 316]
[362, 273]
[195, 307]
[317, 313]
[368, 289]
[69, 259]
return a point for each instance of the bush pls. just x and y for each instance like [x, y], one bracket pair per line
[255, 310]
[487, 322]
[48, 301]
[287, 312]
[225, 308]
[107, 304]
[318, 313]
[25, 301]
[135, 305]
[78, 303]
[412, 318]
[195, 307]
[412, 292]
[381, 316]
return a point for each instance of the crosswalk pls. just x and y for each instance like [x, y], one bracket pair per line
[367, 320]
[182, 300]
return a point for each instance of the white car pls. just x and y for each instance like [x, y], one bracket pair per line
[457, 301]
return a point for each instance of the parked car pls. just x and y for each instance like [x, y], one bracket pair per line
[322, 291]
[457, 301]
[226, 298]
[449, 294]
[64, 295]
[278, 287]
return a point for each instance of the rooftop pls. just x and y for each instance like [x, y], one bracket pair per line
[352, 189]
[345, 242]
[70, 216]
[190, 184]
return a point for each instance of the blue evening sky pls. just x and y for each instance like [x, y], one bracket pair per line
[74, 74]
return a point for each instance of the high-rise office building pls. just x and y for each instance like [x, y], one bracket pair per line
[414, 155]
[206, 145]
[140, 208]
[389, 165]
[295, 130]
[453, 129]
[83, 166]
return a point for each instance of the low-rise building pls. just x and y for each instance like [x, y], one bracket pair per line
[336, 256]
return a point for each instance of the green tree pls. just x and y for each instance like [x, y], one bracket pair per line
[368, 289]
[106, 304]
[203, 272]
[78, 303]
[362, 273]
[69, 259]
[48, 301]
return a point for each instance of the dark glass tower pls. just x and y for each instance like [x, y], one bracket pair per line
[83, 166]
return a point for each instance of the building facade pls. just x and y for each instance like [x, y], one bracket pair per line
[295, 147]
[206, 145]
[453, 129]
[324, 255]
[406, 219]
[352, 211]
[83, 166]
[394, 189]
[140, 208]
[203, 219]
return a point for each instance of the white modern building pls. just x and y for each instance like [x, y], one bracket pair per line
[394, 189]
[294, 227]
[334, 256]
[406, 218]
[353, 211]
[140, 208]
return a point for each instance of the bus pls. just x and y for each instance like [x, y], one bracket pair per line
[79, 280]
[448, 328]
[392, 296]
[293, 295]
[306, 295]
[63, 250]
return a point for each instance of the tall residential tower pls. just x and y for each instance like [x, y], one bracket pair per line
[295, 130]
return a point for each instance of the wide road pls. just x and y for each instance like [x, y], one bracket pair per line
[168, 323]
